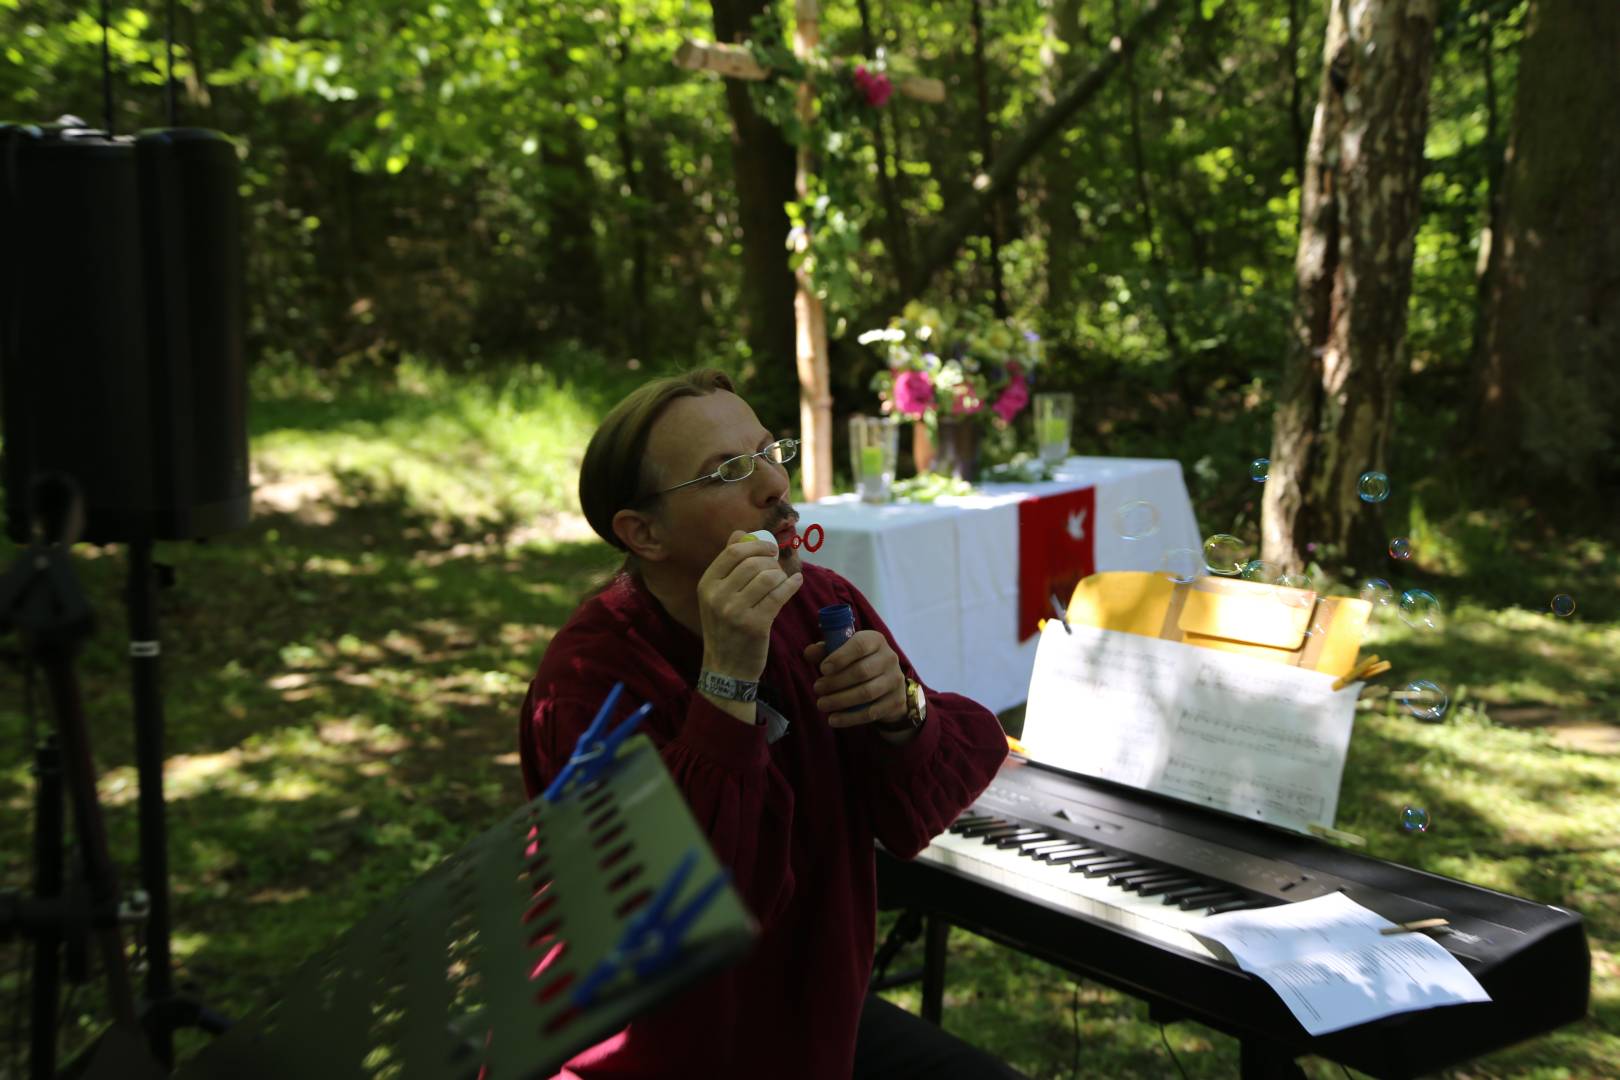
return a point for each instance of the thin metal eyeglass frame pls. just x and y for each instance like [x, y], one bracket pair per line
[761, 452]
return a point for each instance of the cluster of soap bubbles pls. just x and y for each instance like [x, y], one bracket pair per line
[1419, 609]
[1226, 555]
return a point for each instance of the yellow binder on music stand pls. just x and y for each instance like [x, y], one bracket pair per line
[1290, 626]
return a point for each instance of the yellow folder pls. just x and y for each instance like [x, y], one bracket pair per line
[1290, 626]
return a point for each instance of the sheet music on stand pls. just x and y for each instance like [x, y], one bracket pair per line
[1247, 736]
[478, 968]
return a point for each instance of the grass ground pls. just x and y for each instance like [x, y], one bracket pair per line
[342, 679]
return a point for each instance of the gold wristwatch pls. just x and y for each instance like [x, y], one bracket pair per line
[916, 710]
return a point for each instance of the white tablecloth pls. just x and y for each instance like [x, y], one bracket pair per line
[945, 576]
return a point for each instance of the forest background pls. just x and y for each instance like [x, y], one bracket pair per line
[471, 217]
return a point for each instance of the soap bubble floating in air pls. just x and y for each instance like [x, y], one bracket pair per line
[1261, 571]
[1377, 592]
[1373, 487]
[1225, 554]
[1136, 520]
[1292, 589]
[1424, 699]
[1420, 609]
[1182, 565]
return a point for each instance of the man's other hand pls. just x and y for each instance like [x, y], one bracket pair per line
[861, 683]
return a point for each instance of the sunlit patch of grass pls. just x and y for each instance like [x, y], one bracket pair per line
[449, 447]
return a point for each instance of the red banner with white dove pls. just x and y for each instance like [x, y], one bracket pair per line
[1055, 550]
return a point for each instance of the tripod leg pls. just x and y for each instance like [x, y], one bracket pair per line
[47, 886]
[80, 771]
[933, 988]
[149, 755]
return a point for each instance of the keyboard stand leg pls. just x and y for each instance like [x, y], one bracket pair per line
[933, 987]
[1264, 1061]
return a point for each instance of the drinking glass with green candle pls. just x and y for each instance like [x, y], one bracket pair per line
[1054, 418]
[874, 444]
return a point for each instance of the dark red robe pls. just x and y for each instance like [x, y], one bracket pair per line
[795, 820]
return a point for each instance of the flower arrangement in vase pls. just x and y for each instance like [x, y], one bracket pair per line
[954, 374]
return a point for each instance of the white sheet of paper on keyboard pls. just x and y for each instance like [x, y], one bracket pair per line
[1332, 967]
[1247, 736]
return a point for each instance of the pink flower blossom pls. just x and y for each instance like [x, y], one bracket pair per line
[913, 392]
[1012, 399]
[874, 87]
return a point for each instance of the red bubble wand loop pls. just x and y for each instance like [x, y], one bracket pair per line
[804, 540]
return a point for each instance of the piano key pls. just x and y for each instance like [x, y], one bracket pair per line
[1164, 887]
[1054, 884]
[1233, 905]
[1063, 855]
[990, 836]
[982, 827]
[1019, 838]
[1204, 899]
[1082, 862]
[1034, 848]
[1174, 896]
[970, 821]
[1168, 878]
[1127, 877]
[1102, 868]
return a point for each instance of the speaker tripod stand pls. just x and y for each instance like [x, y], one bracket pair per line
[40, 598]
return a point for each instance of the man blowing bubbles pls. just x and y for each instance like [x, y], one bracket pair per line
[792, 761]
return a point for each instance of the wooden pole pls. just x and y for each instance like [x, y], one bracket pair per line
[809, 317]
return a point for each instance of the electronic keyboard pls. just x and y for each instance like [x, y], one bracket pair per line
[1111, 882]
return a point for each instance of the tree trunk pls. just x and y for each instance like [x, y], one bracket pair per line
[987, 153]
[635, 314]
[1296, 91]
[571, 270]
[1548, 403]
[1060, 172]
[894, 222]
[1158, 286]
[1359, 214]
[763, 164]
[1485, 269]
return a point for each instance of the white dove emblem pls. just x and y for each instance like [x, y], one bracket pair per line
[1077, 526]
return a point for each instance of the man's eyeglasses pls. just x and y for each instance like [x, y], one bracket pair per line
[741, 467]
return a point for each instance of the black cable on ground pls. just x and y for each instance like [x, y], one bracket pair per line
[1172, 1053]
[1074, 1012]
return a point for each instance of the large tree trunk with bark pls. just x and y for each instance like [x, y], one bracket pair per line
[1359, 214]
[764, 167]
[1548, 404]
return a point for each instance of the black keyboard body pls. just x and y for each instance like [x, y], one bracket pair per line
[1532, 958]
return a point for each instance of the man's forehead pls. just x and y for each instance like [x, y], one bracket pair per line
[695, 430]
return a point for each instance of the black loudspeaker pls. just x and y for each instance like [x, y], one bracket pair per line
[121, 325]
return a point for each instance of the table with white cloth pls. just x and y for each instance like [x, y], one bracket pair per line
[944, 576]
